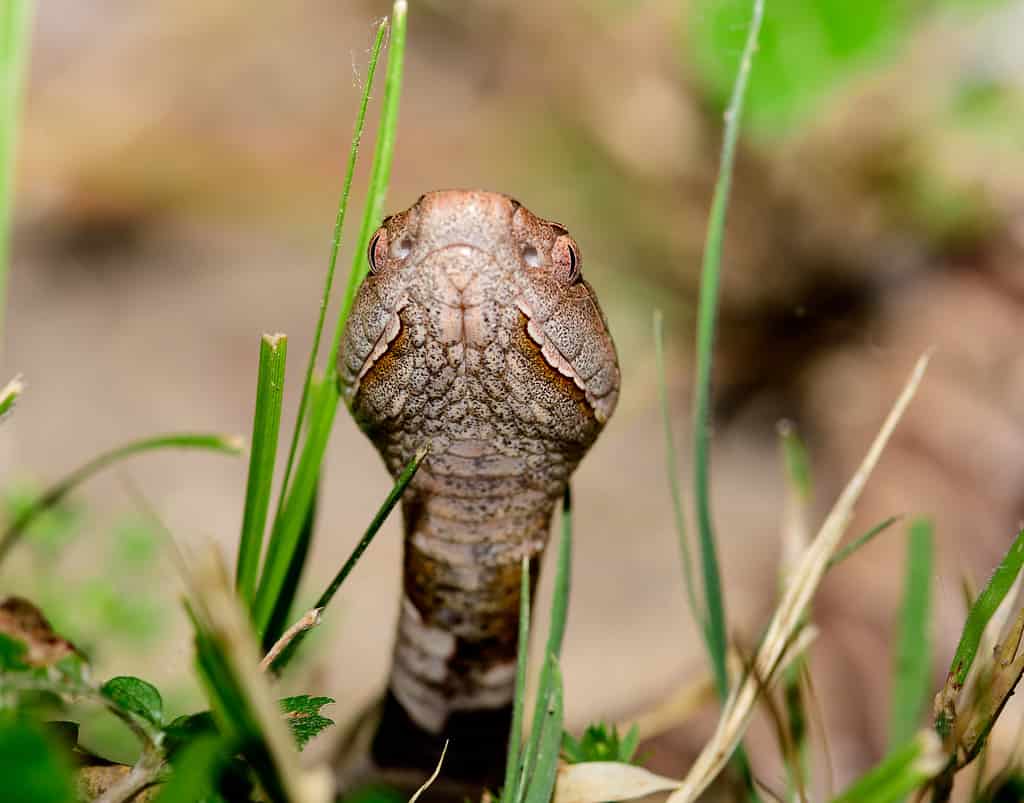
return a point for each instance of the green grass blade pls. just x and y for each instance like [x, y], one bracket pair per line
[9, 396]
[282, 613]
[559, 615]
[378, 520]
[265, 426]
[380, 174]
[901, 772]
[292, 512]
[672, 470]
[985, 606]
[515, 736]
[339, 224]
[56, 492]
[978, 617]
[861, 541]
[912, 677]
[15, 35]
[542, 783]
[285, 546]
[706, 318]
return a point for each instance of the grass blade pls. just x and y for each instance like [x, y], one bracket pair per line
[339, 224]
[282, 558]
[285, 550]
[912, 675]
[862, 541]
[378, 520]
[532, 755]
[15, 35]
[380, 173]
[672, 470]
[706, 316]
[978, 617]
[707, 309]
[542, 783]
[285, 601]
[56, 492]
[515, 736]
[900, 773]
[265, 426]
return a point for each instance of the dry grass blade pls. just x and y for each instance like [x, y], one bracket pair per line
[432, 778]
[788, 616]
[595, 781]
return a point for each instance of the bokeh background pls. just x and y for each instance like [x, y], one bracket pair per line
[179, 167]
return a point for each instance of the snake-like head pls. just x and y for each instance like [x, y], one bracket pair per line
[471, 295]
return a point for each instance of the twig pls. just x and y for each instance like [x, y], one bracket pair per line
[145, 772]
[310, 620]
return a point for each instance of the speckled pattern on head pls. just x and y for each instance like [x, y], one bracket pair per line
[474, 334]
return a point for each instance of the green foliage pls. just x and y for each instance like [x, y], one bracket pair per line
[806, 49]
[32, 763]
[601, 743]
[304, 718]
[912, 682]
[135, 696]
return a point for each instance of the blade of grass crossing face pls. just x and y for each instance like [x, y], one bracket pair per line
[378, 520]
[339, 224]
[515, 736]
[706, 317]
[912, 676]
[265, 427]
[381, 171]
[672, 470]
[15, 35]
[214, 443]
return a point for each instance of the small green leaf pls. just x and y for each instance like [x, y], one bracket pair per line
[303, 716]
[31, 762]
[601, 743]
[136, 696]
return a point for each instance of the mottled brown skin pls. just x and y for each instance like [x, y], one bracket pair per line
[475, 335]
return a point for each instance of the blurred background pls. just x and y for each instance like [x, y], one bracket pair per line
[179, 167]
